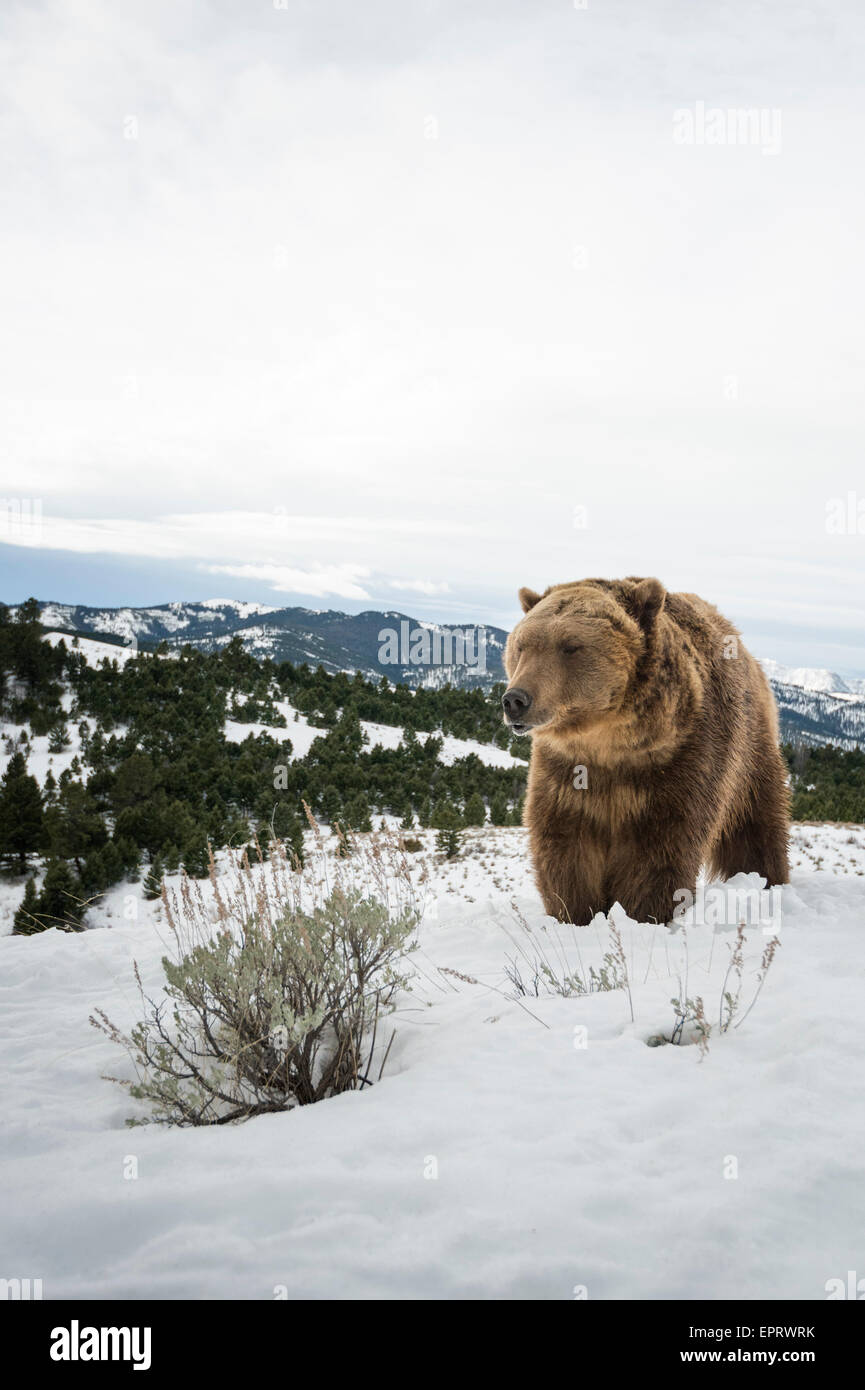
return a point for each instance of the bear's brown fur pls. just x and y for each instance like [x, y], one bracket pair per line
[654, 695]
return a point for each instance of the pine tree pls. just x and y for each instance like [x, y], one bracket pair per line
[153, 879]
[344, 840]
[58, 739]
[330, 804]
[357, 813]
[94, 874]
[292, 838]
[475, 812]
[130, 858]
[448, 839]
[20, 812]
[112, 860]
[73, 824]
[171, 859]
[285, 824]
[445, 815]
[61, 902]
[499, 810]
[196, 860]
[25, 921]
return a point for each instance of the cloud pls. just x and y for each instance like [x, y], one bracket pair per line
[419, 586]
[243, 536]
[384, 293]
[203, 534]
[330, 581]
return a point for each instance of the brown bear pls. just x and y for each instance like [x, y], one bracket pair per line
[654, 748]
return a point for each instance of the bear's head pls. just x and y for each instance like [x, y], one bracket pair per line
[572, 659]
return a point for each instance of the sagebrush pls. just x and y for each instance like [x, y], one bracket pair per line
[275, 993]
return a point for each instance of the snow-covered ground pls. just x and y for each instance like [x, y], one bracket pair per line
[302, 735]
[94, 651]
[515, 1147]
[40, 759]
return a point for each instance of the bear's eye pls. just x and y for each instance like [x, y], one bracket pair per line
[571, 648]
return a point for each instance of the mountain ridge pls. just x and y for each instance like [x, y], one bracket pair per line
[374, 642]
[815, 705]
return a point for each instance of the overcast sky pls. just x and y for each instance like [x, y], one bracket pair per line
[407, 304]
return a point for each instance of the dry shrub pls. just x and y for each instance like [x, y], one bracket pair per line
[276, 985]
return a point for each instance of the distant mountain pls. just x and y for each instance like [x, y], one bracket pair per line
[814, 705]
[817, 706]
[815, 716]
[403, 649]
[814, 678]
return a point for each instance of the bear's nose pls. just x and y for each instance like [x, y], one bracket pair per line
[516, 704]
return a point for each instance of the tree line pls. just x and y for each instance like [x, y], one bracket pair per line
[827, 783]
[154, 778]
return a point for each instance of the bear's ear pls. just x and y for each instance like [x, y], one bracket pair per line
[646, 600]
[528, 598]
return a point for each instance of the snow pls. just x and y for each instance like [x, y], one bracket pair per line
[303, 735]
[498, 1157]
[124, 622]
[40, 759]
[814, 678]
[455, 748]
[241, 608]
[53, 614]
[93, 651]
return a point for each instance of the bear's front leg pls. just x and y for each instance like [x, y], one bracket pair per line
[569, 875]
[648, 886]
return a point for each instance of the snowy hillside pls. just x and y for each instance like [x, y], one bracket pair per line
[151, 624]
[515, 1146]
[93, 651]
[819, 717]
[814, 678]
[302, 735]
